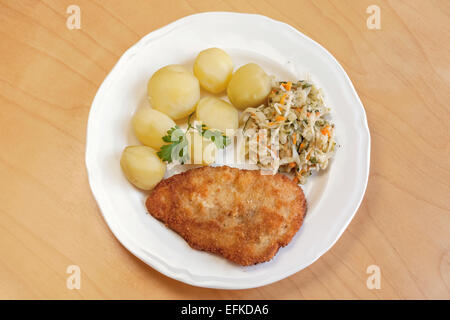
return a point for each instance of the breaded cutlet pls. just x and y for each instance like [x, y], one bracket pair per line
[239, 214]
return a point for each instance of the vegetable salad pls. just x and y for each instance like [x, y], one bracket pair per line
[291, 133]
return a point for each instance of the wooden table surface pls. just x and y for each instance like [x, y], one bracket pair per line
[49, 219]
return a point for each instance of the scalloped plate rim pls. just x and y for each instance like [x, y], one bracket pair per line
[155, 262]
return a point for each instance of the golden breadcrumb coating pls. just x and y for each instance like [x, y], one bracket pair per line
[240, 214]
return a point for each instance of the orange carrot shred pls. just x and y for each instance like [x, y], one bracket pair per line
[325, 131]
[280, 118]
[287, 86]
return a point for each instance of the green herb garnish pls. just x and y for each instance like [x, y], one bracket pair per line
[177, 147]
[219, 139]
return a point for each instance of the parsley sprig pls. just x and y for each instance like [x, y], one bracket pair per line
[177, 147]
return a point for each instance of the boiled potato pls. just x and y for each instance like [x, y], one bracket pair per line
[142, 166]
[201, 150]
[249, 86]
[150, 126]
[195, 142]
[217, 113]
[241, 148]
[173, 68]
[174, 91]
[209, 152]
[213, 68]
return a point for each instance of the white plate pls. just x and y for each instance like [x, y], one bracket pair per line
[333, 196]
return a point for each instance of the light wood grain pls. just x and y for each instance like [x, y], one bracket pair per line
[49, 219]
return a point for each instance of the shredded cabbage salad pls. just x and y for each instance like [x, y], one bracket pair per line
[291, 133]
